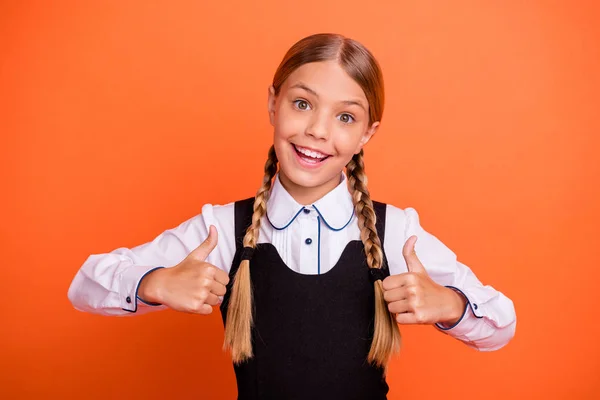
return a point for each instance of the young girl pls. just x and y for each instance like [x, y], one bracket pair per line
[311, 275]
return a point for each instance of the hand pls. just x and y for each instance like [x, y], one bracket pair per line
[416, 298]
[192, 286]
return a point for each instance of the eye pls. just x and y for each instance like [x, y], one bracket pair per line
[346, 118]
[301, 105]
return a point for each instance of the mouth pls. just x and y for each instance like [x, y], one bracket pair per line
[310, 156]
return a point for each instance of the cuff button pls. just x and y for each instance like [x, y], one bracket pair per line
[475, 306]
[128, 299]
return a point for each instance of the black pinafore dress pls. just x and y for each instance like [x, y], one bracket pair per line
[312, 333]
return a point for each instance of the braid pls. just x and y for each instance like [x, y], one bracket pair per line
[386, 337]
[238, 330]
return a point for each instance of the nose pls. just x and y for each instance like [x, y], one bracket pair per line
[318, 127]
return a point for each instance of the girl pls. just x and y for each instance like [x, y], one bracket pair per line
[311, 275]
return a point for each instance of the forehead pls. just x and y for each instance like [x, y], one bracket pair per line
[328, 79]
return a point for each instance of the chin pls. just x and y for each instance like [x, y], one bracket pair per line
[303, 178]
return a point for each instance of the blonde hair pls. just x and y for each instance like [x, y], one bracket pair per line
[360, 64]
[238, 329]
[386, 336]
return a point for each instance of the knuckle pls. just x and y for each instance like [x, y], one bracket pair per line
[412, 291]
[205, 283]
[210, 270]
[196, 306]
[202, 295]
[420, 317]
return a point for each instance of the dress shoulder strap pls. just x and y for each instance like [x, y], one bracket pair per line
[243, 219]
[380, 209]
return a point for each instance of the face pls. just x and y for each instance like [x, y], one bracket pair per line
[320, 119]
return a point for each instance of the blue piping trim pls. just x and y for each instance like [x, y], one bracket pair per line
[464, 311]
[136, 293]
[319, 247]
[288, 224]
[329, 226]
[147, 303]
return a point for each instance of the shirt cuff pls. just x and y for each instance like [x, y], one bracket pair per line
[467, 320]
[130, 284]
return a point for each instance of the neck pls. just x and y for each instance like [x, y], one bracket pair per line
[307, 195]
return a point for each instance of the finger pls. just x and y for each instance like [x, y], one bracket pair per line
[410, 256]
[217, 288]
[202, 251]
[216, 274]
[400, 306]
[204, 309]
[396, 281]
[221, 276]
[212, 300]
[396, 294]
[406, 318]
[391, 282]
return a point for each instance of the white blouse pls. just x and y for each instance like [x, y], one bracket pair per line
[310, 240]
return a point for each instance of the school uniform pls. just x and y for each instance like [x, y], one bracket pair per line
[311, 284]
[312, 333]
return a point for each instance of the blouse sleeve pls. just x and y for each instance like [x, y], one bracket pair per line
[489, 320]
[107, 284]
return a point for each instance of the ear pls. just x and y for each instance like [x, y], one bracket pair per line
[271, 105]
[367, 136]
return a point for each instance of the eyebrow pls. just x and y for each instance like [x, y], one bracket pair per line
[301, 85]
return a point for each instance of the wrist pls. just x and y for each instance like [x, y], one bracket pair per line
[149, 287]
[458, 304]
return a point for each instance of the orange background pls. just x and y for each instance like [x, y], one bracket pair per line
[119, 120]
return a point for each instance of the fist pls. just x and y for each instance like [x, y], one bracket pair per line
[192, 286]
[416, 298]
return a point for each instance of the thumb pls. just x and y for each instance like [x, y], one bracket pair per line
[202, 251]
[410, 256]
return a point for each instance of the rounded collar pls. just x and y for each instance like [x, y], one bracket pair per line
[335, 208]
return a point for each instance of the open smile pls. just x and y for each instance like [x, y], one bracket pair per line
[309, 157]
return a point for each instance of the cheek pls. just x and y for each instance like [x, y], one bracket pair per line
[285, 129]
[288, 123]
[347, 140]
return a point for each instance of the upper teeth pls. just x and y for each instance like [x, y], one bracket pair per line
[309, 153]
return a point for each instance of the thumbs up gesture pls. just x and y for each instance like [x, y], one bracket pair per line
[416, 298]
[192, 286]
